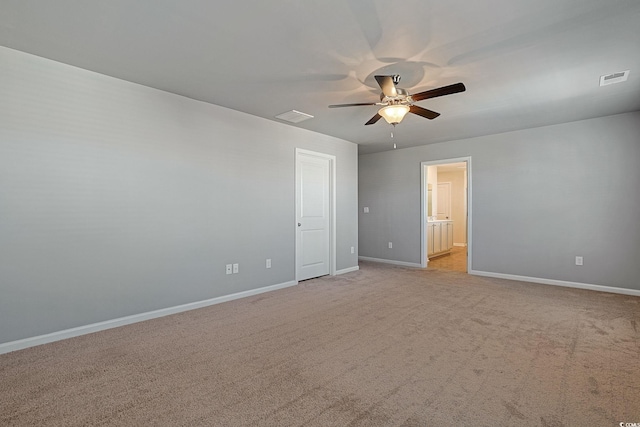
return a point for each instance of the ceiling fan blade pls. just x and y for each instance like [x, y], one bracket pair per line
[373, 119]
[387, 85]
[352, 105]
[441, 91]
[423, 112]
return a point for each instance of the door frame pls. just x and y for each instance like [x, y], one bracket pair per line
[332, 207]
[423, 209]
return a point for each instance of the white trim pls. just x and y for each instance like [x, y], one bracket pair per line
[135, 318]
[566, 284]
[424, 194]
[347, 270]
[390, 261]
[423, 212]
[332, 208]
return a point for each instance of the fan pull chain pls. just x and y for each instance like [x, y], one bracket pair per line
[394, 127]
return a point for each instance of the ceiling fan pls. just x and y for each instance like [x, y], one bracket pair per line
[397, 102]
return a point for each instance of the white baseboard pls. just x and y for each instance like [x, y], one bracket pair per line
[390, 261]
[347, 270]
[566, 284]
[127, 320]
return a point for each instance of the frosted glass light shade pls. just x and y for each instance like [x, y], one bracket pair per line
[394, 114]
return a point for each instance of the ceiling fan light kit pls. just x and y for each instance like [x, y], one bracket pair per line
[394, 114]
[397, 102]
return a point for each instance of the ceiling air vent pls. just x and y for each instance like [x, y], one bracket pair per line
[610, 79]
[294, 116]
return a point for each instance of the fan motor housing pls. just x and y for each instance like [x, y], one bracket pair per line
[402, 97]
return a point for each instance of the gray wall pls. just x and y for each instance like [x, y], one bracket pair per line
[118, 199]
[540, 197]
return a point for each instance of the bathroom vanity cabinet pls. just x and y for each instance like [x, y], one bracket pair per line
[439, 237]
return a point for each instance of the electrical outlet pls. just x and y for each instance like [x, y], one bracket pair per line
[365, 210]
[235, 268]
[229, 267]
[579, 260]
[353, 250]
[268, 262]
[390, 245]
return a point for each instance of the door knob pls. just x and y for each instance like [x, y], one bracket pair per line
[299, 224]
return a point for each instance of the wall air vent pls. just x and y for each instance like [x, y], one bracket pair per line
[294, 116]
[610, 79]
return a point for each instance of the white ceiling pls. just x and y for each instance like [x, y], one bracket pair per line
[525, 63]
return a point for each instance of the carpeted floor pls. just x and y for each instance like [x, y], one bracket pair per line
[386, 345]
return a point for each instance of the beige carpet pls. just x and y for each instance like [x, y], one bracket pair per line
[382, 346]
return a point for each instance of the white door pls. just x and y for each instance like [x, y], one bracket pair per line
[313, 215]
[444, 200]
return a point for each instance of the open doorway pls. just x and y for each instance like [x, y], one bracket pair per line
[446, 214]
